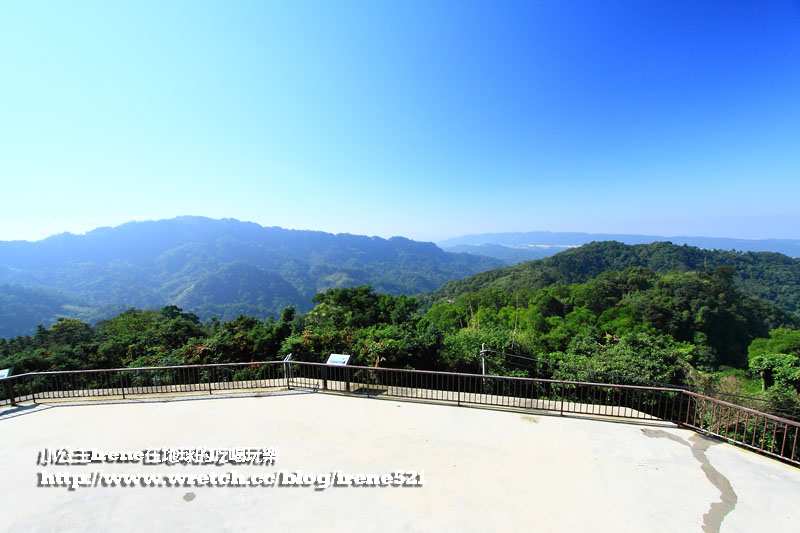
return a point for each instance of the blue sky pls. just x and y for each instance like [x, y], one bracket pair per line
[426, 119]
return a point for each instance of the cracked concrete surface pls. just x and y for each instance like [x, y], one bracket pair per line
[712, 520]
[484, 470]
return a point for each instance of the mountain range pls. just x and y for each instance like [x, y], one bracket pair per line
[209, 267]
[226, 267]
[517, 247]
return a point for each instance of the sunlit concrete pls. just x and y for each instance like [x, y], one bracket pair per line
[485, 470]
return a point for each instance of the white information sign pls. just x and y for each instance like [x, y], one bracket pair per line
[338, 359]
[4, 373]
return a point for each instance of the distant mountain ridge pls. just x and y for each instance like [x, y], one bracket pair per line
[510, 254]
[516, 247]
[209, 267]
[770, 276]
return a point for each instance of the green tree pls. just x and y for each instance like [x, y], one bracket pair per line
[777, 359]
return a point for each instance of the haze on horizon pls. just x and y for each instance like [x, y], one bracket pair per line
[422, 119]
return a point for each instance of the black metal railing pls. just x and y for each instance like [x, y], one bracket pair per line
[772, 435]
[762, 432]
[124, 382]
[547, 369]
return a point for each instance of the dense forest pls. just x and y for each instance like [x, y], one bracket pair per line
[765, 275]
[691, 329]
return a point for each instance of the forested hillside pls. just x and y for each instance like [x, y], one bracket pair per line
[636, 326]
[208, 267]
[769, 276]
[22, 309]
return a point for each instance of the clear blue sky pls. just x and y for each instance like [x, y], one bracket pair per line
[426, 119]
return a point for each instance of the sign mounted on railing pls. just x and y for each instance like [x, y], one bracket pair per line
[4, 372]
[340, 359]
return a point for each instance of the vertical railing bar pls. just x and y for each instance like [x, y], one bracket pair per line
[588, 397]
[774, 434]
[728, 422]
[746, 420]
[427, 385]
[617, 403]
[610, 401]
[783, 443]
[594, 402]
[672, 408]
[638, 403]
[624, 403]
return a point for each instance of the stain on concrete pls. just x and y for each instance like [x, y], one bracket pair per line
[529, 418]
[189, 496]
[712, 520]
[661, 434]
[717, 512]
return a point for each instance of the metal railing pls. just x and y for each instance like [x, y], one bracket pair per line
[125, 382]
[762, 432]
[543, 368]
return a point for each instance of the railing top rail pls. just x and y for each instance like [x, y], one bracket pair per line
[639, 381]
[129, 369]
[743, 408]
[353, 367]
[482, 376]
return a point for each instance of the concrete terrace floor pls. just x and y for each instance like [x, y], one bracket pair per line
[484, 470]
